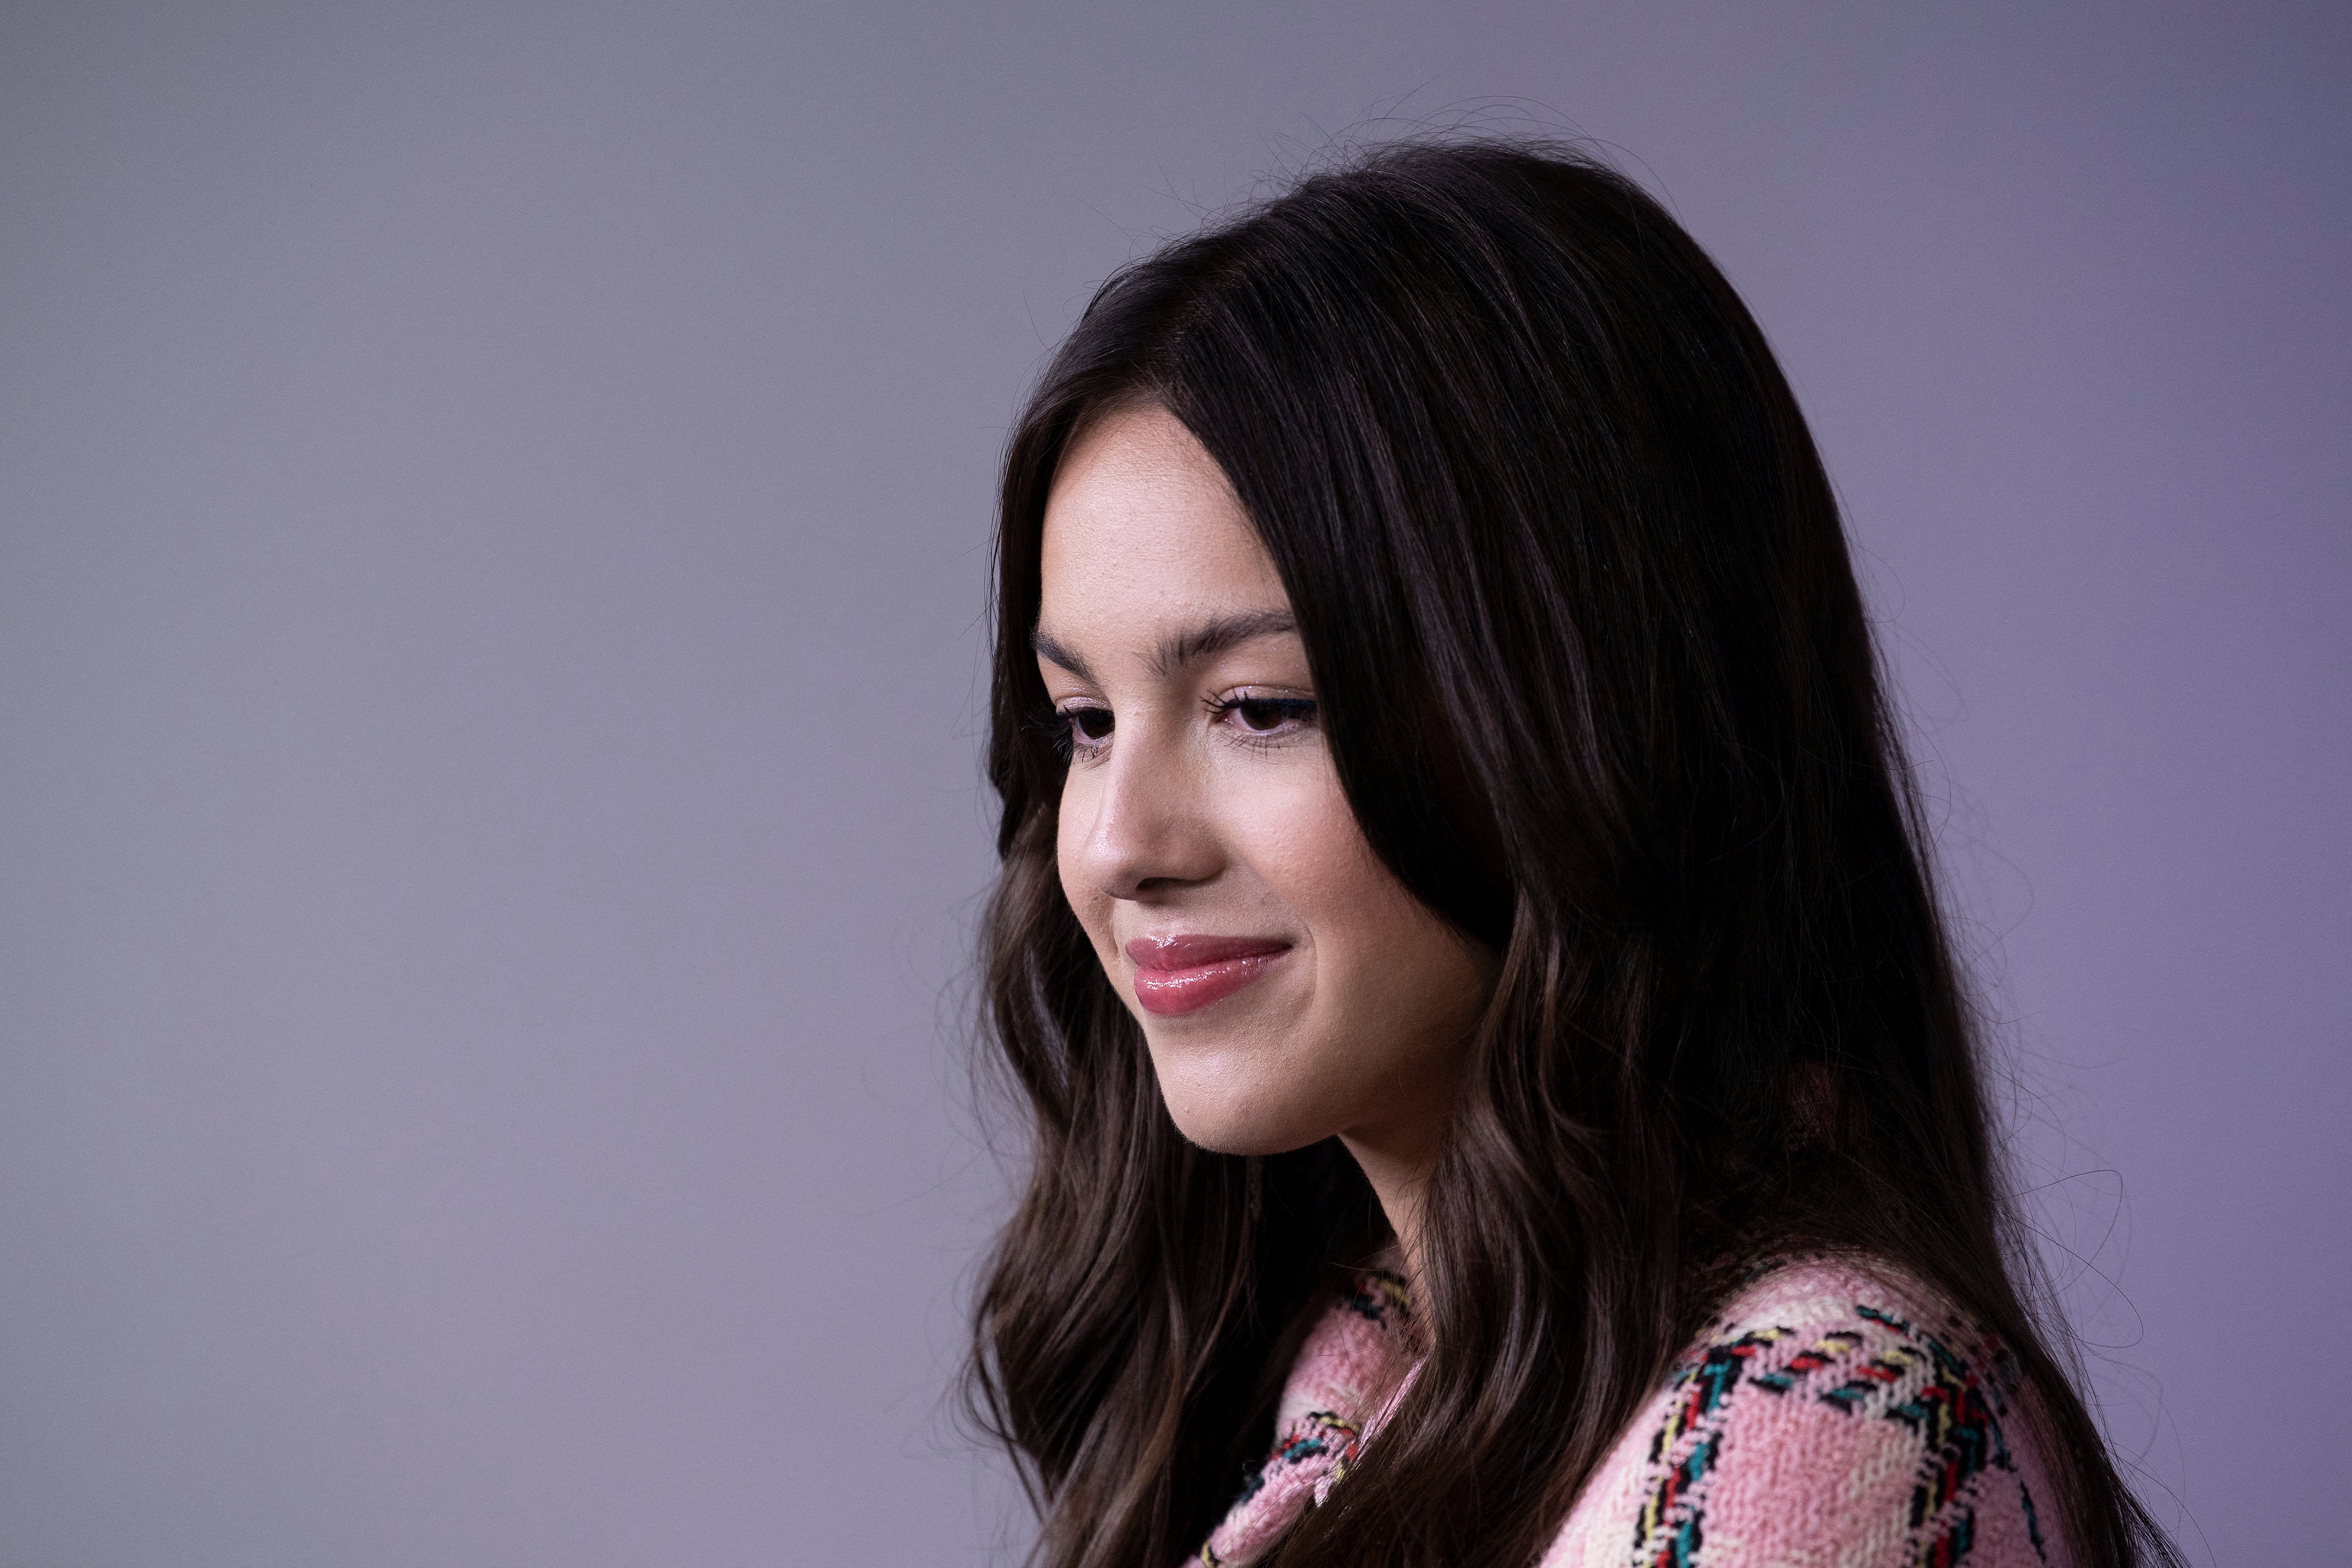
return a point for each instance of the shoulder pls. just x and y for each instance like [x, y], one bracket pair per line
[1835, 1411]
[1347, 1374]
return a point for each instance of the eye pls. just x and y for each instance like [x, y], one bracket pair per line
[1081, 730]
[1264, 717]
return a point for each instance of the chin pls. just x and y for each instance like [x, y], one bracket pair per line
[1224, 1123]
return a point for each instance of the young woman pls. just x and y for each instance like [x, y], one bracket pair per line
[1501, 1090]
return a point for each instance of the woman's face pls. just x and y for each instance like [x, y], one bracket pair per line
[1289, 987]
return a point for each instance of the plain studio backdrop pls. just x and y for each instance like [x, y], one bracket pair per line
[496, 505]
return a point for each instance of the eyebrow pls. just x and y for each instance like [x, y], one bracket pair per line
[1054, 653]
[1177, 649]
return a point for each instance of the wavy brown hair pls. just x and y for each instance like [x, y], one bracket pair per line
[1598, 683]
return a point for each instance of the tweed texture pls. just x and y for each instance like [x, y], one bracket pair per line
[1353, 1367]
[1835, 1415]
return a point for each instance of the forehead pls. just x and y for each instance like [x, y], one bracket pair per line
[1141, 526]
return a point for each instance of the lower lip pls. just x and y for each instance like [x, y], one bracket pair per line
[1190, 989]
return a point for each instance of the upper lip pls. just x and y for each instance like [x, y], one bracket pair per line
[1191, 952]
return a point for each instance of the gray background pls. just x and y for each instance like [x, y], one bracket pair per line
[495, 503]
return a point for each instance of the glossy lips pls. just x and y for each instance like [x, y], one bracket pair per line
[1185, 973]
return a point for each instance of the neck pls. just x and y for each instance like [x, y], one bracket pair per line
[1399, 1173]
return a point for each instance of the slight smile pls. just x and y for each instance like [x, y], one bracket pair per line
[1186, 973]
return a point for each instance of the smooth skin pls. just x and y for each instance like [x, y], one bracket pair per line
[1201, 802]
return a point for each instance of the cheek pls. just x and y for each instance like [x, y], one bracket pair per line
[1089, 902]
[1301, 838]
[1392, 979]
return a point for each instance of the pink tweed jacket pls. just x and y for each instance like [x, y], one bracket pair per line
[1834, 1415]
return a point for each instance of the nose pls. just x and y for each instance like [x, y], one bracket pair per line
[1135, 825]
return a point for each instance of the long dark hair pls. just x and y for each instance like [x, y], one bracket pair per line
[1598, 684]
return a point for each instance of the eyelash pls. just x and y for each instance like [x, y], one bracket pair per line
[1299, 708]
[1061, 724]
